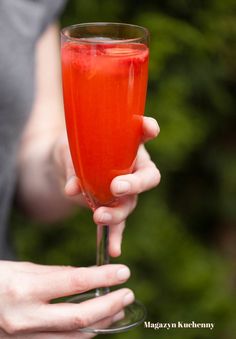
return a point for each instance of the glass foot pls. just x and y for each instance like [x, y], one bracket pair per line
[133, 315]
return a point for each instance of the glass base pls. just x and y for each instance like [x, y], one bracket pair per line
[133, 315]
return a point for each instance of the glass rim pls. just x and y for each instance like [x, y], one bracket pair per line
[88, 41]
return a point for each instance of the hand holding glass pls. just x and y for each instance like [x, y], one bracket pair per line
[105, 71]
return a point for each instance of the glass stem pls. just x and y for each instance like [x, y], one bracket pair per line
[102, 253]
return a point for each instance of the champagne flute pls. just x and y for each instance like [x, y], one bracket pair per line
[104, 72]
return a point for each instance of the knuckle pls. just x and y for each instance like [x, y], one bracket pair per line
[123, 224]
[17, 292]
[119, 215]
[112, 308]
[157, 176]
[27, 264]
[109, 277]
[134, 202]
[146, 156]
[136, 184]
[80, 322]
[79, 280]
[12, 326]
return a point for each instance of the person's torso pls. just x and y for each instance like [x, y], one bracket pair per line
[21, 24]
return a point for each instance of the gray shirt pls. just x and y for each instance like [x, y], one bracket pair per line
[21, 24]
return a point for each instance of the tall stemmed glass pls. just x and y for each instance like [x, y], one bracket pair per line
[105, 72]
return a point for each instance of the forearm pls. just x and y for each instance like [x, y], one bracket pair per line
[39, 190]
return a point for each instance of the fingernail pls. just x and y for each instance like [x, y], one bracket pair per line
[123, 187]
[105, 217]
[70, 185]
[128, 299]
[123, 274]
[156, 125]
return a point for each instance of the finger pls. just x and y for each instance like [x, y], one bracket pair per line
[115, 215]
[49, 286]
[151, 129]
[63, 158]
[50, 335]
[104, 323]
[69, 168]
[115, 239]
[72, 186]
[143, 179]
[29, 267]
[69, 316]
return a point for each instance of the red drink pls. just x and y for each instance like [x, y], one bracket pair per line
[104, 87]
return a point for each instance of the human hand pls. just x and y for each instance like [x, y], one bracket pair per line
[125, 187]
[26, 290]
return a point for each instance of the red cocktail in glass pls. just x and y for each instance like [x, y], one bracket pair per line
[105, 71]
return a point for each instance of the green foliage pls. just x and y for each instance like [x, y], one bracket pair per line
[173, 240]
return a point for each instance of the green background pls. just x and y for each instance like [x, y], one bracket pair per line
[180, 242]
